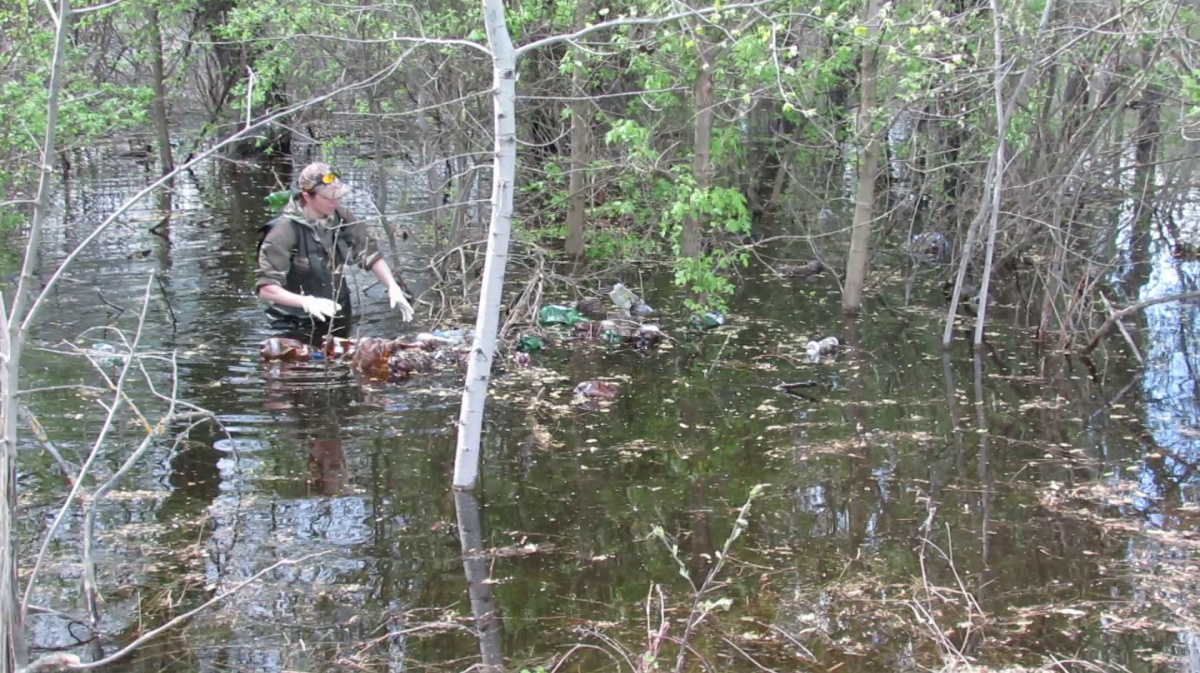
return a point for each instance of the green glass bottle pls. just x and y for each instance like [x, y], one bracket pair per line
[277, 200]
[529, 344]
[708, 320]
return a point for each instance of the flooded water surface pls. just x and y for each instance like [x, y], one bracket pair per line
[899, 508]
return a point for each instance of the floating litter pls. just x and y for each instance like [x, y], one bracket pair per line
[228, 445]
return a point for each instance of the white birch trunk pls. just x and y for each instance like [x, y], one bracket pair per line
[487, 323]
[12, 629]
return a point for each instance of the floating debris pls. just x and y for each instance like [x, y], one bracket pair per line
[598, 390]
[802, 271]
[454, 337]
[336, 348]
[557, 314]
[628, 301]
[592, 308]
[404, 363]
[283, 349]
[371, 357]
[529, 343]
[709, 320]
[816, 349]
[647, 336]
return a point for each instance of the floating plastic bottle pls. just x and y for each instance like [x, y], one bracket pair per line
[623, 297]
[453, 337]
[371, 357]
[107, 353]
[815, 349]
[708, 320]
[284, 349]
[336, 348]
[642, 309]
[277, 200]
[559, 315]
[629, 302]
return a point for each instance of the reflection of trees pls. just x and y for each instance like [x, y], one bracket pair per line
[861, 490]
[1169, 391]
[234, 261]
[475, 567]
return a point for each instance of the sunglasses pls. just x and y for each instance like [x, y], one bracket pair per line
[324, 179]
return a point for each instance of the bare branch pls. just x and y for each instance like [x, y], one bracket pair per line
[1112, 319]
[96, 8]
[646, 21]
[96, 447]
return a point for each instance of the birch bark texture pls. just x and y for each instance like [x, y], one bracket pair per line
[487, 322]
[12, 628]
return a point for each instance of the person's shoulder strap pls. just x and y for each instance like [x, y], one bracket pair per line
[266, 229]
[344, 219]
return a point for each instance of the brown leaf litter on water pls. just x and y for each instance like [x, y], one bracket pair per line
[1161, 562]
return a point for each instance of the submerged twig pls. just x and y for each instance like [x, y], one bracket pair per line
[55, 662]
[718, 357]
[167, 300]
[40, 433]
[104, 300]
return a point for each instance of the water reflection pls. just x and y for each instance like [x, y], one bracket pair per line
[314, 461]
[479, 587]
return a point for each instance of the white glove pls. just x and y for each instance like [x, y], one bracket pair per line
[396, 296]
[319, 307]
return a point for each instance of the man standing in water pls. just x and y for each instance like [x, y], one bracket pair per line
[302, 256]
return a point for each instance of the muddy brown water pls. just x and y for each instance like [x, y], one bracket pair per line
[919, 509]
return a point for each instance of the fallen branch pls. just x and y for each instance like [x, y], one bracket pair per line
[1118, 315]
[1124, 332]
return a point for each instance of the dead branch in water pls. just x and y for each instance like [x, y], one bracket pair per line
[1118, 315]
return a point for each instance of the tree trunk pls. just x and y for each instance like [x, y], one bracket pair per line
[691, 236]
[436, 186]
[381, 174]
[162, 126]
[12, 628]
[578, 181]
[479, 588]
[579, 138]
[1000, 163]
[868, 162]
[1146, 137]
[479, 367]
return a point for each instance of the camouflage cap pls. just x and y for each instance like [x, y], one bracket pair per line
[319, 178]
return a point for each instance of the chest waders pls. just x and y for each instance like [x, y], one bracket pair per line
[311, 272]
